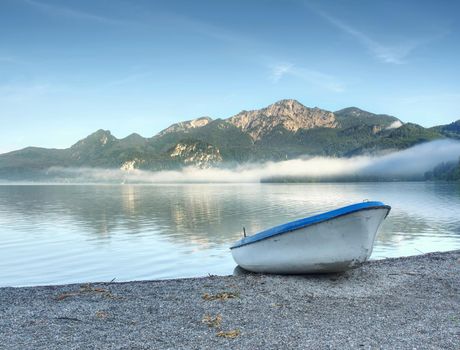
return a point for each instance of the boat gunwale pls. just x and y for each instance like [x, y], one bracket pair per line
[311, 220]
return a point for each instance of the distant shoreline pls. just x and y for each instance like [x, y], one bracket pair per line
[410, 302]
[279, 181]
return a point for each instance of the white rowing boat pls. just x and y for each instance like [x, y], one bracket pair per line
[330, 242]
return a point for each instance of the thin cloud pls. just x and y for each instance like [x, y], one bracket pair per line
[204, 28]
[144, 20]
[393, 54]
[280, 70]
[148, 20]
[59, 10]
[191, 24]
[384, 53]
[22, 92]
[320, 79]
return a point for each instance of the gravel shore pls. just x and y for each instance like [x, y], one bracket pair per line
[404, 303]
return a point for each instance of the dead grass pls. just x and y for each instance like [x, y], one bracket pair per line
[229, 334]
[220, 296]
[212, 321]
[86, 289]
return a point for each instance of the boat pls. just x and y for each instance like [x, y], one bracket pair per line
[334, 241]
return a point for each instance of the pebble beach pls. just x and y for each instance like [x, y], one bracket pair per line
[404, 303]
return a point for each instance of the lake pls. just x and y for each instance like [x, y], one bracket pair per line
[55, 234]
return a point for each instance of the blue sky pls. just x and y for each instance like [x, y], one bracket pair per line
[68, 68]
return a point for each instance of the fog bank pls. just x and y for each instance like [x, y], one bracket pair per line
[409, 163]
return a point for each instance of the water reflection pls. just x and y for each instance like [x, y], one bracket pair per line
[57, 234]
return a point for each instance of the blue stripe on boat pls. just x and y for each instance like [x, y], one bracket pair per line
[294, 225]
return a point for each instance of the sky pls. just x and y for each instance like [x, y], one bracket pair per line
[69, 68]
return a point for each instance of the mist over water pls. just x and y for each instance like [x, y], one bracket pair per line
[410, 163]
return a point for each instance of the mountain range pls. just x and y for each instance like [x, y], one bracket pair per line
[283, 130]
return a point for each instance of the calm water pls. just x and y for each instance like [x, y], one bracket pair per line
[62, 234]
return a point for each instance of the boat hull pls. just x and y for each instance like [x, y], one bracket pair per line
[335, 245]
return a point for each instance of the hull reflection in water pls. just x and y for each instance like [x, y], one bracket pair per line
[331, 242]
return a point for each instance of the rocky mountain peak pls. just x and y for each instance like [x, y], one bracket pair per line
[186, 125]
[98, 138]
[290, 114]
[96, 142]
[288, 103]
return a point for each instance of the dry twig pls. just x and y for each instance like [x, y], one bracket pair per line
[229, 334]
[219, 296]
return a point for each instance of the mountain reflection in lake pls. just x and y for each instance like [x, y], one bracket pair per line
[74, 233]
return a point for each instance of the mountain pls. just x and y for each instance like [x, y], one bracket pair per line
[185, 126]
[289, 115]
[451, 130]
[355, 117]
[405, 136]
[283, 130]
[31, 162]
